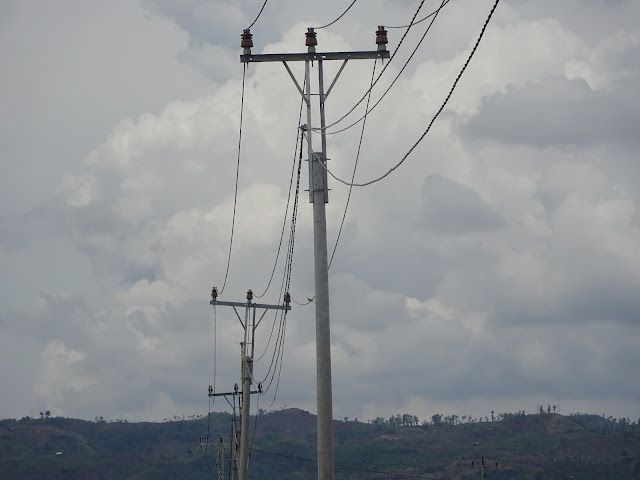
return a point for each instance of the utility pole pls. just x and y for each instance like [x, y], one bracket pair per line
[483, 468]
[319, 195]
[248, 347]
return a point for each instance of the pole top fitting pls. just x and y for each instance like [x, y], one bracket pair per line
[311, 40]
[246, 41]
[249, 295]
[214, 293]
[381, 38]
[287, 298]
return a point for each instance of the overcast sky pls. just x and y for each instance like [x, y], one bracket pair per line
[497, 269]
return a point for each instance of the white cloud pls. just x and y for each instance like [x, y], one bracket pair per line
[496, 269]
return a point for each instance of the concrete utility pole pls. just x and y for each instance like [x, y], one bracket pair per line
[319, 195]
[249, 325]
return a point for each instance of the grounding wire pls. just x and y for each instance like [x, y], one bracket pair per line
[286, 212]
[353, 175]
[413, 147]
[342, 15]
[404, 35]
[259, 13]
[235, 194]
[435, 12]
[367, 111]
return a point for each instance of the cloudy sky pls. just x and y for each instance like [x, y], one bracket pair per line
[497, 268]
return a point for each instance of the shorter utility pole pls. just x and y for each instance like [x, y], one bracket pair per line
[483, 468]
[247, 346]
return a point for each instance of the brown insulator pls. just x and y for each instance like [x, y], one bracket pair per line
[287, 298]
[311, 40]
[247, 41]
[249, 295]
[214, 293]
[381, 36]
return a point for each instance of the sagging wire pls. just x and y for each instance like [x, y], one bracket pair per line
[259, 13]
[435, 12]
[235, 195]
[404, 35]
[278, 349]
[406, 63]
[284, 222]
[342, 15]
[453, 87]
[355, 166]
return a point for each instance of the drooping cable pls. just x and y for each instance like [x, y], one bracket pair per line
[259, 13]
[353, 175]
[406, 63]
[277, 350]
[435, 12]
[404, 35]
[342, 15]
[286, 212]
[453, 87]
[235, 194]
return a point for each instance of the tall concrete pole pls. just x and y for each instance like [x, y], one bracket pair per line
[323, 331]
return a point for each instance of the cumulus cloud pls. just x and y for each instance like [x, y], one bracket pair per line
[497, 267]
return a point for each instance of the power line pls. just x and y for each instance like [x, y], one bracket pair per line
[259, 13]
[235, 194]
[342, 15]
[286, 212]
[383, 70]
[455, 83]
[367, 111]
[435, 12]
[347, 467]
[355, 166]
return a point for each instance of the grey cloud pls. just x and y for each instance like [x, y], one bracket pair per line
[451, 208]
[558, 111]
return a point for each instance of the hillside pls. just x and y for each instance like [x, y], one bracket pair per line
[526, 447]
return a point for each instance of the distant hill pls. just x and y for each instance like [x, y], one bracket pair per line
[525, 447]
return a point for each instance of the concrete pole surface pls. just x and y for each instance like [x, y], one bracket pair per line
[323, 332]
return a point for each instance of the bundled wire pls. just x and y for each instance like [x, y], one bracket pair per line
[286, 212]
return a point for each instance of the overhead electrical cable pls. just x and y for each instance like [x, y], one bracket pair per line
[342, 15]
[435, 12]
[404, 35]
[235, 194]
[367, 111]
[259, 13]
[348, 467]
[286, 282]
[286, 212]
[453, 87]
[353, 175]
